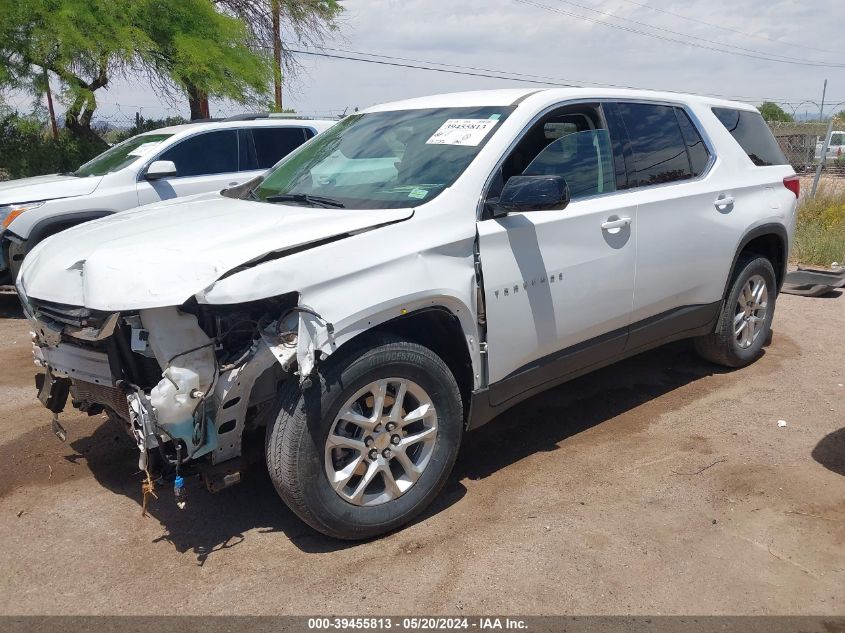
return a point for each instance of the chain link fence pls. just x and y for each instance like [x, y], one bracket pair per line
[803, 142]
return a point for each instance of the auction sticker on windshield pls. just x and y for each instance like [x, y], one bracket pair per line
[144, 149]
[468, 132]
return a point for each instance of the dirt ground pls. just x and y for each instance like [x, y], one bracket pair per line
[661, 485]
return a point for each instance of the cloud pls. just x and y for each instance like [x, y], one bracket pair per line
[512, 36]
[507, 35]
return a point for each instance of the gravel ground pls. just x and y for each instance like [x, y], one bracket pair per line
[661, 485]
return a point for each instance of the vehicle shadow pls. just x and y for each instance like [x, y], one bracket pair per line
[542, 422]
[214, 522]
[10, 307]
[830, 451]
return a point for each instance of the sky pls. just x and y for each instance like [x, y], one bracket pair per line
[545, 38]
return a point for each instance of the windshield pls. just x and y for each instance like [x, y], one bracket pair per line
[119, 156]
[383, 160]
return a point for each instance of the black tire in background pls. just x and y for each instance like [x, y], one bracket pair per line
[722, 347]
[296, 438]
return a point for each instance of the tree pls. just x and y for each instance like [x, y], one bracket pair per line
[275, 23]
[82, 42]
[185, 47]
[200, 51]
[773, 112]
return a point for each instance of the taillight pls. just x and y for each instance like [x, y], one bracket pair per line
[793, 184]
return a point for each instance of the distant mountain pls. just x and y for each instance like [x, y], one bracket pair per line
[809, 115]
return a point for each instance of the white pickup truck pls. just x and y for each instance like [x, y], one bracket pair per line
[836, 147]
[407, 275]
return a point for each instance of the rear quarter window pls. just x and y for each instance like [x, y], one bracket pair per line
[753, 135]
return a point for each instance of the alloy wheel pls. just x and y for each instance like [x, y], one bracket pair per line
[381, 442]
[751, 309]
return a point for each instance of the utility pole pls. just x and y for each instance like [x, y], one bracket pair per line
[821, 108]
[822, 157]
[276, 9]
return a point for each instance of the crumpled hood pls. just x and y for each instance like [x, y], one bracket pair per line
[46, 188]
[163, 254]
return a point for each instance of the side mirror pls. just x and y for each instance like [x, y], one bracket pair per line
[160, 169]
[531, 193]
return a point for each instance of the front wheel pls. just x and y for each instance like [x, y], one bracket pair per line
[370, 444]
[746, 318]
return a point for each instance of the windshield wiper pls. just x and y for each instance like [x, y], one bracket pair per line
[304, 198]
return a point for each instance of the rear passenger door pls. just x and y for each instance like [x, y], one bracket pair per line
[207, 161]
[683, 236]
[262, 147]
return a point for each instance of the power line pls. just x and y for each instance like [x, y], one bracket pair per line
[419, 64]
[458, 66]
[728, 28]
[440, 70]
[686, 35]
[674, 40]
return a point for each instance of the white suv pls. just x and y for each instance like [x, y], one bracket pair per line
[175, 161]
[408, 275]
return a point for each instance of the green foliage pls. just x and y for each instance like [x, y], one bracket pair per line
[195, 46]
[182, 46]
[820, 231]
[81, 41]
[28, 149]
[773, 112]
[270, 106]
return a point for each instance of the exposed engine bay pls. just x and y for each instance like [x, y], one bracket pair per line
[185, 382]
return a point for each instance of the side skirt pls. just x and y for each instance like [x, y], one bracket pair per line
[575, 361]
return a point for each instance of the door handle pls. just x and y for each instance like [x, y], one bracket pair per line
[618, 223]
[724, 201]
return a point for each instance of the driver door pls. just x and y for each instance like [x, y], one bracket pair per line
[207, 161]
[559, 284]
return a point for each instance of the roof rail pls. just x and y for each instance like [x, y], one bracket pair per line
[252, 116]
[287, 115]
[247, 116]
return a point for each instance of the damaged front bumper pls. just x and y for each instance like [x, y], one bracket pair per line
[183, 384]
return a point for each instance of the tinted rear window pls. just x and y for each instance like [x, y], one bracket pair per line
[274, 143]
[660, 153]
[751, 132]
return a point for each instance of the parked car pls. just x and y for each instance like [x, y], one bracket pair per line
[836, 147]
[409, 274]
[169, 162]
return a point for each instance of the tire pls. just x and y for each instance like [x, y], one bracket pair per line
[301, 462]
[726, 346]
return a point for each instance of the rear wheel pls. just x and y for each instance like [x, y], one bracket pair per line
[746, 318]
[370, 444]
